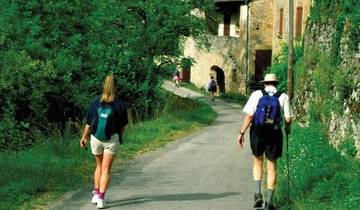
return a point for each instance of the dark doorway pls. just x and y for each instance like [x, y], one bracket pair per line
[262, 61]
[185, 75]
[220, 78]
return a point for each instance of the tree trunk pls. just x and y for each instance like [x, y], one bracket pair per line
[291, 40]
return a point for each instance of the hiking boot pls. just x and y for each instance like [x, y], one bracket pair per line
[258, 200]
[101, 204]
[95, 198]
[269, 206]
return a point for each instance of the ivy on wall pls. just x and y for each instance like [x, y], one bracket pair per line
[322, 84]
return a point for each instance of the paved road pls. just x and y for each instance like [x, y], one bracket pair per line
[205, 170]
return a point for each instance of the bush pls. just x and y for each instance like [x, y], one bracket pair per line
[280, 64]
[54, 56]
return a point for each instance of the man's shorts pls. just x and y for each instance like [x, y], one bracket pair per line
[109, 147]
[266, 141]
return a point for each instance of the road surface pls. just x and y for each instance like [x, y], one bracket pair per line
[204, 170]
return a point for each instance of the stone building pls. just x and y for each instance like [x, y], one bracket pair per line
[247, 37]
[281, 21]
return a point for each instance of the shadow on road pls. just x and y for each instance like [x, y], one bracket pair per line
[169, 197]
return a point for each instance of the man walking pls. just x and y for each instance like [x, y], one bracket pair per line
[263, 112]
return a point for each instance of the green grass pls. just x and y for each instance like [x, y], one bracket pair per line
[35, 177]
[234, 98]
[191, 86]
[320, 177]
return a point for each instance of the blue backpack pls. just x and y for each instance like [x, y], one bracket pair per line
[103, 124]
[268, 110]
[212, 86]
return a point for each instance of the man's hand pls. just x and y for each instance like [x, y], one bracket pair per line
[241, 139]
[287, 130]
[288, 126]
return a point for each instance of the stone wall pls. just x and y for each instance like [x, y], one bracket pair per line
[219, 54]
[229, 53]
[343, 126]
[261, 27]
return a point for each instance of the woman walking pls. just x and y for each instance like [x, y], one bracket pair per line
[105, 123]
[176, 78]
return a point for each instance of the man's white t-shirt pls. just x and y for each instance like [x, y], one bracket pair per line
[253, 101]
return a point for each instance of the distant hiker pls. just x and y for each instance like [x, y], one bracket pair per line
[176, 77]
[105, 123]
[212, 88]
[263, 112]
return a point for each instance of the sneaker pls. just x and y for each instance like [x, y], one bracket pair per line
[101, 204]
[258, 200]
[95, 198]
[269, 206]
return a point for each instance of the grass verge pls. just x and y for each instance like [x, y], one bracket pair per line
[31, 179]
[321, 178]
[193, 87]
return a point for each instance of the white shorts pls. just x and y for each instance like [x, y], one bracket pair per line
[110, 147]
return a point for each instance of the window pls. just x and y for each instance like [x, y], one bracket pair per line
[281, 23]
[227, 19]
[299, 13]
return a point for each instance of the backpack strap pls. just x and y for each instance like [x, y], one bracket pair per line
[264, 92]
[278, 94]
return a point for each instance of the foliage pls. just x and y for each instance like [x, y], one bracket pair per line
[58, 164]
[322, 86]
[186, 63]
[316, 75]
[314, 167]
[338, 12]
[168, 70]
[280, 63]
[322, 10]
[55, 54]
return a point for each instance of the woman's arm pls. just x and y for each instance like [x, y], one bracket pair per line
[85, 135]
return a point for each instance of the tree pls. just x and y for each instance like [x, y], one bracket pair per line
[55, 54]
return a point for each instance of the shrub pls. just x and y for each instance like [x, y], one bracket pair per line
[280, 64]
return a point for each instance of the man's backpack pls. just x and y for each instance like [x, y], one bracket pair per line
[103, 124]
[268, 110]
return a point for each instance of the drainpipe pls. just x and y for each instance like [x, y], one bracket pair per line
[247, 46]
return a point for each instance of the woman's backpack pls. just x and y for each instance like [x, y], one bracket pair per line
[103, 124]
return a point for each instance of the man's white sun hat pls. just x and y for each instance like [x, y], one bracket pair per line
[270, 78]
